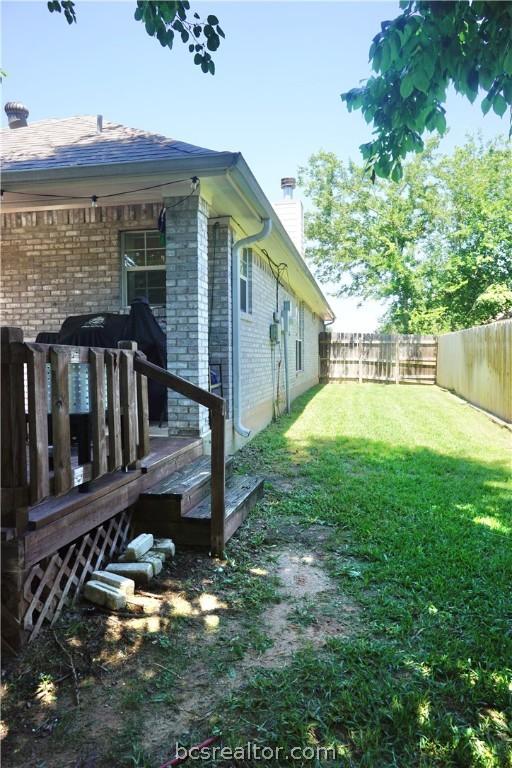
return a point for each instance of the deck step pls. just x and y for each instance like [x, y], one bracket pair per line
[185, 480]
[157, 514]
[242, 493]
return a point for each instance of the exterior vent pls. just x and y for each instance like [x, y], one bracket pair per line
[16, 114]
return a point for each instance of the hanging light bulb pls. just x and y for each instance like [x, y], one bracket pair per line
[94, 201]
[195, 183]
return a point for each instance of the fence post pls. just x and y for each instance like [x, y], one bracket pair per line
[359, 360]
[397, 360]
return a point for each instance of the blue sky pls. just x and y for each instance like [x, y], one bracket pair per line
[275, 95]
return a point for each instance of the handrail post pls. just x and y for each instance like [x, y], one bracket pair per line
[128, 401]
[14, 434]
[218, 472]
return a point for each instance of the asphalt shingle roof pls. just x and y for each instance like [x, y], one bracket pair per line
[75, 142]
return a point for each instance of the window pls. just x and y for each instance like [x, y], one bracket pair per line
[143, 266]
[246, 281]
[299, 341]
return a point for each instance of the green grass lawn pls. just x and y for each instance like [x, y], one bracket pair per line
[415, 489]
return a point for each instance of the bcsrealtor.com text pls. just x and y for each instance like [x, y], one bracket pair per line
[255, 752]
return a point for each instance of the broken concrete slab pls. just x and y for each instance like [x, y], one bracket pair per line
[124, 585]
[138, 547]
[102, 594]
[141, 573]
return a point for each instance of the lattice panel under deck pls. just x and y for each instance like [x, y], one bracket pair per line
[59, 578]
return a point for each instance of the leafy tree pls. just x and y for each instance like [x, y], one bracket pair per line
[166, 20]
[437, 245]
[429, 46]
[475, 283]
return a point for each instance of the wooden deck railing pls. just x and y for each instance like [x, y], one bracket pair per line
[106, 408]
[217, 408]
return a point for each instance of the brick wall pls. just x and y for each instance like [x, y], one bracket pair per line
[57, 263]
[187, 308]
[262, 364]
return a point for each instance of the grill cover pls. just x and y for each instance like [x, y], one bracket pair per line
[106, 329]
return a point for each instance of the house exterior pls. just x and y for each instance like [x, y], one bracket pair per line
[83, 205]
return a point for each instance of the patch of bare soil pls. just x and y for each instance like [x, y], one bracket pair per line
[117, 666]
[302, 578]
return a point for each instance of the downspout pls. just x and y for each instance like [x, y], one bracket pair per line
[235, 279]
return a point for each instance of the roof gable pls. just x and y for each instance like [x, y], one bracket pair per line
[76, 142]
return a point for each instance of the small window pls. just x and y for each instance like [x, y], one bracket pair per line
[246, 281]
[299, 341]
[143, 266]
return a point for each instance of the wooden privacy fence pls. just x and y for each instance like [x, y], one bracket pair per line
[476, 363]
[378, 357]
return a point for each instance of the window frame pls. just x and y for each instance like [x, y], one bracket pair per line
[247, 281]
[145, 268]
[299, 338]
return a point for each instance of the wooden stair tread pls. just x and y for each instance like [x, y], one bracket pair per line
[164, 448]
[238, 489]
[185, 480]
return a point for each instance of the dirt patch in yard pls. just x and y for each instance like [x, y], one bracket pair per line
[301, 578]
[148, 679]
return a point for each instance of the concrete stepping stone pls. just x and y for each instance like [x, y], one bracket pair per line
[102, 594]
[138, 547]
[141, 573]
[166, 546]
[153, 560]
[124, 585]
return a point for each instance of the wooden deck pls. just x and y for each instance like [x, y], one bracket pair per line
[59, 520]
[76, 470]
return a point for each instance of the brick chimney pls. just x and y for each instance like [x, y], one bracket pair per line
[16, 114]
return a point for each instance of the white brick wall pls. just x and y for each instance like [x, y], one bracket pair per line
[257, 357]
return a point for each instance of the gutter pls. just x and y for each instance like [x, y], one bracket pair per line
[235, 309]
[193, 164]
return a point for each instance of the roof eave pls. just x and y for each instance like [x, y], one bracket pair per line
[194, 164]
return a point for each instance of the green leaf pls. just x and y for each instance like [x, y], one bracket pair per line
[397, 172]
[406, 86]
[139, 13]
[499, 105]
[486, 104]
[421, 80]
[212, 19]
[441, 123]
[220, 32]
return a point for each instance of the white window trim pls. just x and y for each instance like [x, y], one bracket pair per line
[125, 269]
[246, 314]
[299, 338]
